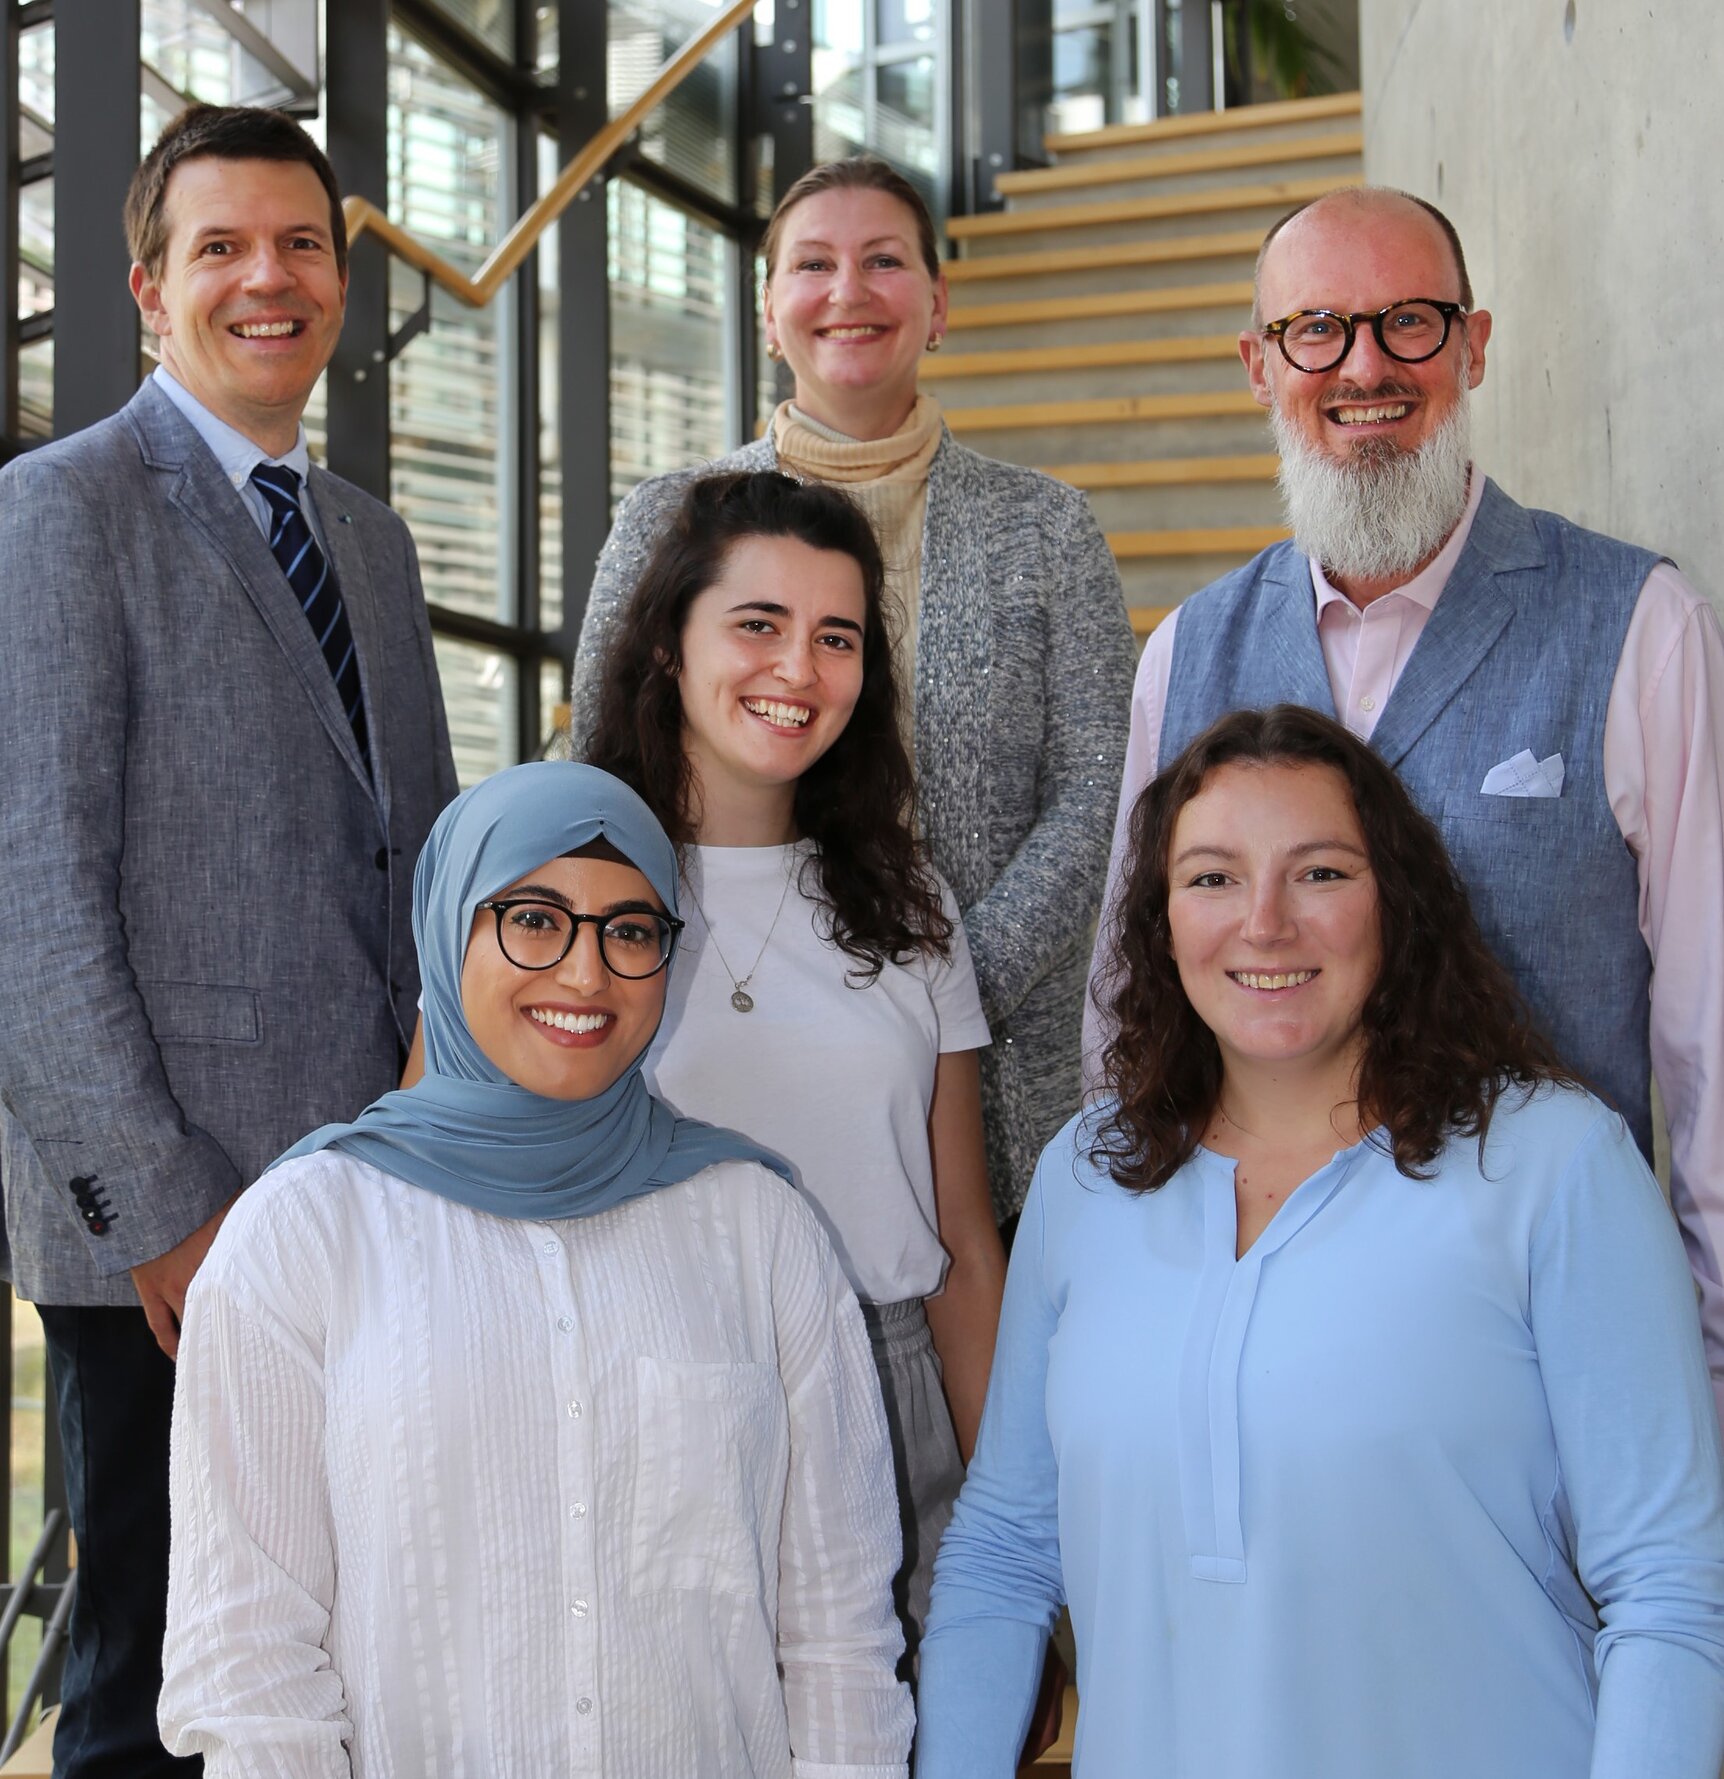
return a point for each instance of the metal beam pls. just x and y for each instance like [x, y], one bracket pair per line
[95, 76]
[9, 184]
[584, 316]
[525, 488]
[356, 49]
[784, 81]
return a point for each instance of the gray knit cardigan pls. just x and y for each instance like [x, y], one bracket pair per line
[1024, 665]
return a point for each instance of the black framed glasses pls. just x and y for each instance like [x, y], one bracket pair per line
[1412, 330]
[535, 935]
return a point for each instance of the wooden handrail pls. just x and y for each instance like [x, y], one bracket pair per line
[364, 218]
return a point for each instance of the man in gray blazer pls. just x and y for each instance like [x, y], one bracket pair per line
[222, 743]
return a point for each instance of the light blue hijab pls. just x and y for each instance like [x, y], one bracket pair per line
[466, 1131]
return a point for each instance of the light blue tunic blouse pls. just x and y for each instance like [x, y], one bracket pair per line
[1335, 1510]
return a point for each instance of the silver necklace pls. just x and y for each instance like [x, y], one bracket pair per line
[740, 998]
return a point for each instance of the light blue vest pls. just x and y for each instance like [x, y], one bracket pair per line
[1519, 652]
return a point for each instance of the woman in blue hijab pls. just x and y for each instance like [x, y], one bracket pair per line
[520, 1425]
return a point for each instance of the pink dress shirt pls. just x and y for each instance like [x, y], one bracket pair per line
[1664, 775]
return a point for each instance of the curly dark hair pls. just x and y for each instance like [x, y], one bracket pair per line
[856, 801]
[1446, 1031]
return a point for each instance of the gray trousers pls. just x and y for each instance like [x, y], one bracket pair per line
[924, 1454]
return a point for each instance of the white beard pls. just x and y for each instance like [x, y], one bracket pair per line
[1384, 512]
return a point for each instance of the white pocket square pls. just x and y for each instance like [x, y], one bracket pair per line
[1523, 776]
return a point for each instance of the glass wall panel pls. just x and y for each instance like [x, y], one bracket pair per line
[450, 391]
[905, 21]
[553, 697]
[479, 695]
[840, 106]
[690, 134]
[36, 389]
[194, 55]
[1082, 78]
[36, 247]
[876, 90]
[36, 74]
[545, 41]
[668, 304]
[904, 123]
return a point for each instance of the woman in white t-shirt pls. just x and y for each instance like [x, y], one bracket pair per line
[826, 1003]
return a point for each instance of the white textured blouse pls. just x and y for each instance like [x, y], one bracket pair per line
[464, 1497]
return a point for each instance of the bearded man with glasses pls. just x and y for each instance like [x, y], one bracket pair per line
[1553, 699]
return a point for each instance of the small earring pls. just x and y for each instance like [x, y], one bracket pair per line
[935, 342]
[774, 351]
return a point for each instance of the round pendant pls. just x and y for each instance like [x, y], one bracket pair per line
[742, 1001]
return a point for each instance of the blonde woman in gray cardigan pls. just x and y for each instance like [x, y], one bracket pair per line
[1015, 654]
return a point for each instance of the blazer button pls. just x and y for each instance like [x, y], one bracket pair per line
[381, 861]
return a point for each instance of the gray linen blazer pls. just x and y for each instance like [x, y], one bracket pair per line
[207, 902]
[1024, 667]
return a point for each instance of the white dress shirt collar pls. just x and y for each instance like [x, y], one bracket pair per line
[237, 455]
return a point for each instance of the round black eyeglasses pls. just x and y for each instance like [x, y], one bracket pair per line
[533, 935]
[1412, 330]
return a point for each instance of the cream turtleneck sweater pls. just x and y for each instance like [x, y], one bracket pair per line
[888, 479]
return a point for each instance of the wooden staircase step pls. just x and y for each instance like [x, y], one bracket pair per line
[1269, 195]
[35, 1758]
[1209, 123]
[1234, 243]
[963, 316]
[1144, 618]
[1164, 472]
[1192, 349]
[1169, 166]
[1221, 540]
[1204, 405]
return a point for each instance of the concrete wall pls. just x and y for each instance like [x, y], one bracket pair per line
[1579, 147]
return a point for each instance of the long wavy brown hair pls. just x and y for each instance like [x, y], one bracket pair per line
[1446, 1032]
[855, 802]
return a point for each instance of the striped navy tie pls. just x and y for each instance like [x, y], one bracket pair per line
[314, 586]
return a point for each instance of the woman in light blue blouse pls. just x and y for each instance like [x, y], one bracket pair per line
[1349, 1384]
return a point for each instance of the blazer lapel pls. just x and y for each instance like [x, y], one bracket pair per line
[1477, 603]
[171, 446]
[1292, 652]
[352, 570]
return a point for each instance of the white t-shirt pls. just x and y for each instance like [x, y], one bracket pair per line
[836, 1078]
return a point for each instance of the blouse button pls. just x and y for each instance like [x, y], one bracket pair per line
[566, 1323]
[583, 1706]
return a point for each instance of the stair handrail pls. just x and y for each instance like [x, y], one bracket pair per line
[365, 218]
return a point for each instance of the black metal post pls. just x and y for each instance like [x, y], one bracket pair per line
[525, 296]
[584, 313]
[745, 331]
[356, 85]
[784, 82]
[95, 76]
[8, 234]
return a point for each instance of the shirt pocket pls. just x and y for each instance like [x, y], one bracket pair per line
[712, 1451]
